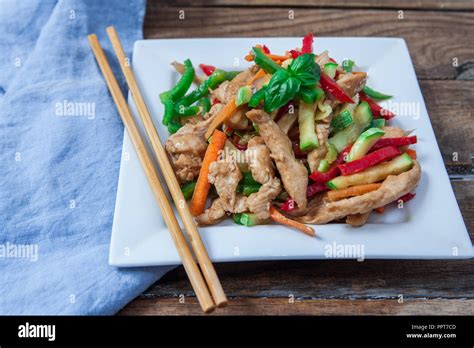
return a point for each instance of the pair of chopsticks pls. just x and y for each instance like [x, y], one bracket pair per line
[206, 285]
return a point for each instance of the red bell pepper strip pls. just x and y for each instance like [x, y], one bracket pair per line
[373, 158]
[311, 191]
[330, 86]
[376, 109]
[207, 69]
[331, 173]
[235, 141]
[295, 144]
[307, 44]
[283, 110]
[289, 205]
[265, 49]
[400, 141]
[295, 54]
[407, 197]
[341, 158]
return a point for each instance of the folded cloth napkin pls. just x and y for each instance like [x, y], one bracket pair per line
[60, 140]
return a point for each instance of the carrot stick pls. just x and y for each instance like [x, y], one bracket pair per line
[198, 202]
[280, 218]
[352, 191]
[230, 107]
[277, 57]
[412, 153]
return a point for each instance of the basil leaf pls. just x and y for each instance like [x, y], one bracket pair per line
[280, 90]
[305, 69]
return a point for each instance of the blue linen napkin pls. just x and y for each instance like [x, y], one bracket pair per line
[60, 139]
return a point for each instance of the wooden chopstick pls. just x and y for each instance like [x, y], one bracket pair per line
[204, 261]
[190, 266]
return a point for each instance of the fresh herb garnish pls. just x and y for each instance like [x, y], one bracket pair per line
[280, 90]
[302, 75]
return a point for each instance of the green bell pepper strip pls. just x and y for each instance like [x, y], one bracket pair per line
[375, 94]
[188, 189]
[247, 189]
[173, 126]
[217, 77]
[248, 179]
[167, 101]
[310, 95]
[185, 111]
[264, 62]
[205, 105]
[257, 97]
[184, 82]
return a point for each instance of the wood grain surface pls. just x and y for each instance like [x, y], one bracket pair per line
[435, 39]
[282, 306]
[438, 34]
[444, 5]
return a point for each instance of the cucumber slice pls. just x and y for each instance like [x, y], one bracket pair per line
[330, 69]
[373, 174]
[308, 137]
[364, 142]
[378, 122]
[362, 119]
[323, 166]
[244, 94]
[342, 121]
[331, 155]
[247, 219]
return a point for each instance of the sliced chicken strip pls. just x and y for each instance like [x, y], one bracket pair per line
[352, 83]
[357, 220]
[212, 215]
[259, 202]
[187, 146]
[293, 173]
[238, 120]
[322, 59]
[225, 176]
[260, 163]
[316, 155]
[228, 89]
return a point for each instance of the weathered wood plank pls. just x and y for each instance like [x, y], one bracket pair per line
[367, 4]
[434, 38]
[450, 105]
[464, 191]
[282, 306]
[341, 279]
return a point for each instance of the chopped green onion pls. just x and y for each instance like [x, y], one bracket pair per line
[348, 65]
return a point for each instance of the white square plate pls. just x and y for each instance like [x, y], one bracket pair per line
[430, 226]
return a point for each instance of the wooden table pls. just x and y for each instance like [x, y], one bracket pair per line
[440, 37]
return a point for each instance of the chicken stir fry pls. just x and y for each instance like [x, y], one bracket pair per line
[296, 139]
